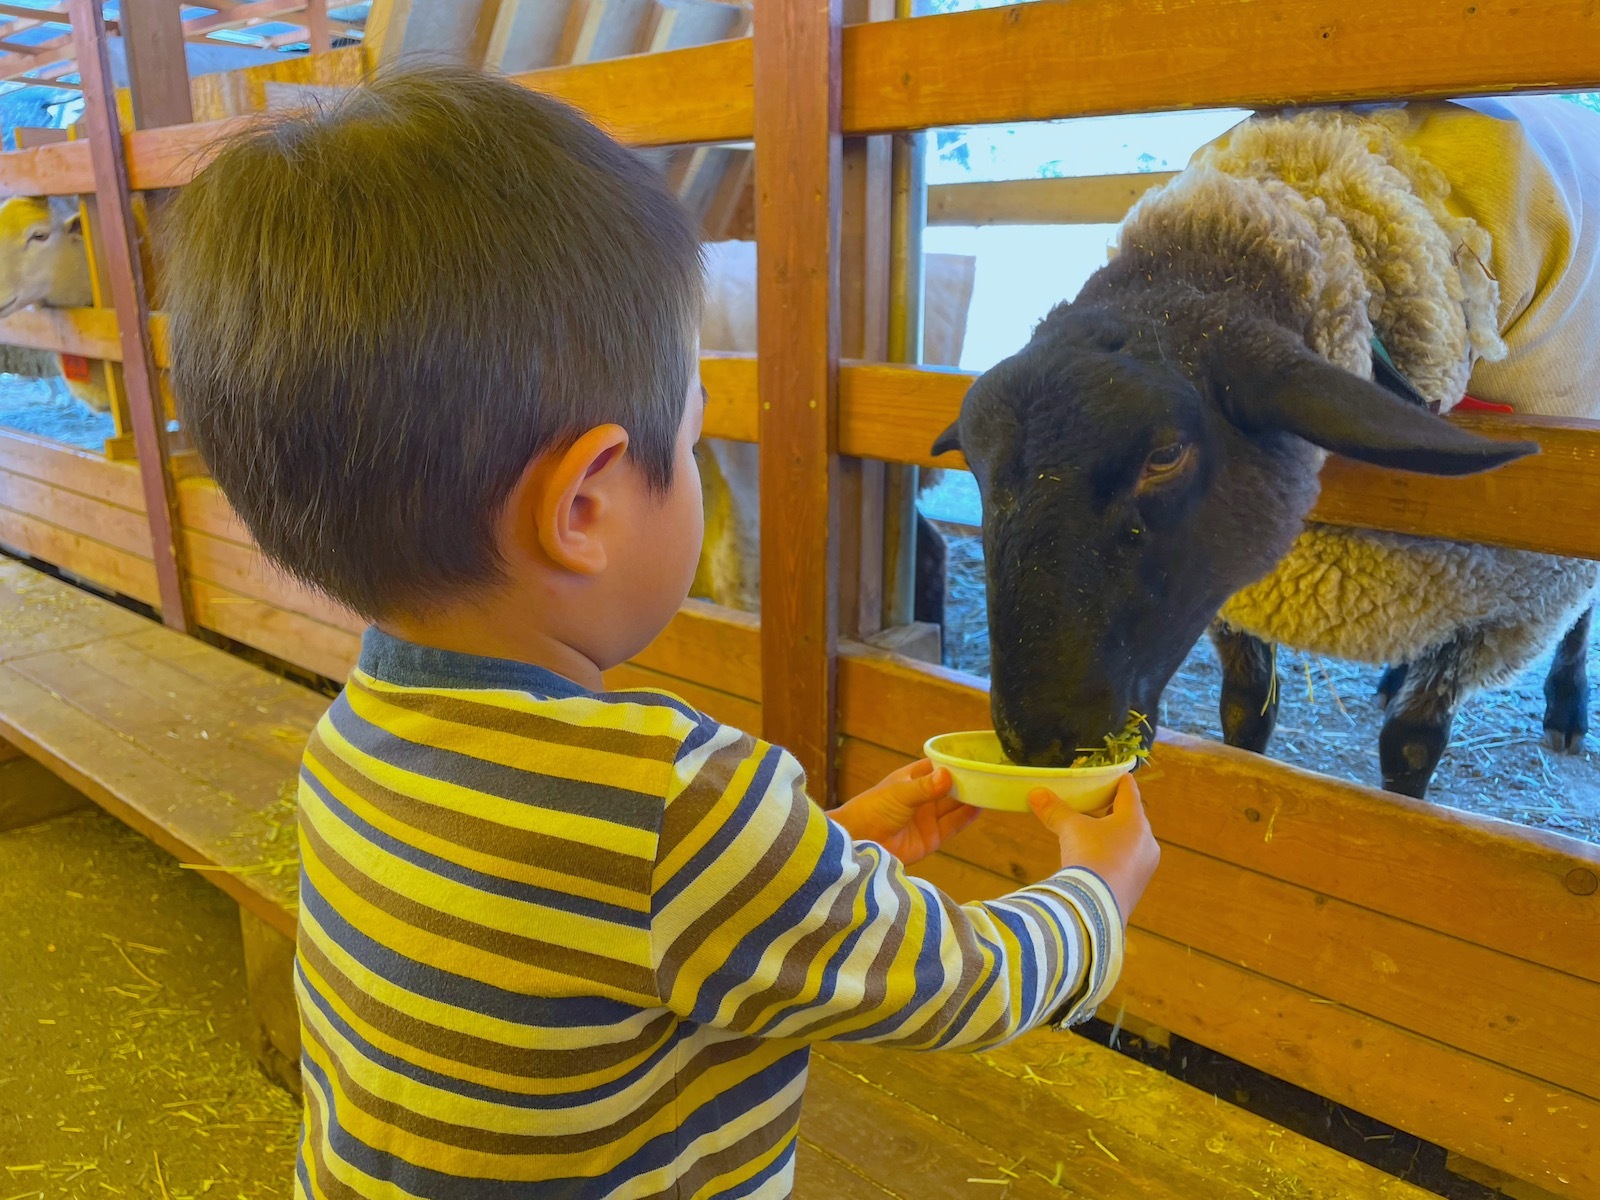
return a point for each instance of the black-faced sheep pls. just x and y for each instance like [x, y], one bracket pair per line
[43, 262]
[1148, 460]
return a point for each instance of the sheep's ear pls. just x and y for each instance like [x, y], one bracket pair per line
[1303, 394]
[74, 223]
[949, 440]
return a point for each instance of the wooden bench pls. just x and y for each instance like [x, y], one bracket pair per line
[195, 748]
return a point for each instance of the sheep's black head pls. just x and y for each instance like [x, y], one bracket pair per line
[1129, 487]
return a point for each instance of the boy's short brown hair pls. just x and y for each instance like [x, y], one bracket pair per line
[380, 314]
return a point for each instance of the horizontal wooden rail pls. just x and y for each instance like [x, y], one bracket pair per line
[1071, 200]
[1037, 62]
[1544, 503]
[1029, 62]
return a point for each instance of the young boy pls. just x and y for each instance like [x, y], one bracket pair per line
[438, 348]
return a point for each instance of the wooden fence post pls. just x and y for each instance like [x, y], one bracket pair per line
[109, 155]
[797, 269]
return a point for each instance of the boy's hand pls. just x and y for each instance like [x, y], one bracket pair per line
[910, 814]
[1118, 847]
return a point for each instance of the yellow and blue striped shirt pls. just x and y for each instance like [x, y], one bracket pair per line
[563, 944]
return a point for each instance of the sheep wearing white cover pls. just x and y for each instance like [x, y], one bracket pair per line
[1458, 234]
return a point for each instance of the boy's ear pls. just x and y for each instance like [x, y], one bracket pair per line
[557, 504]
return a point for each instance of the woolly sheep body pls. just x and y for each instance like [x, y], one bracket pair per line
[1378, 247]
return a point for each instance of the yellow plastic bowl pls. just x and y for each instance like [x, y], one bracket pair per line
[982, 775]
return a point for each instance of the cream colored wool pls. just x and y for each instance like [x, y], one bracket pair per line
[1382, 240]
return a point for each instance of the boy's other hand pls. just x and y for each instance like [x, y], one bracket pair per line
[910, 814]
[1118, 847]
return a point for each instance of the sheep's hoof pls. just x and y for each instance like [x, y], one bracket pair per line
[1564, 742]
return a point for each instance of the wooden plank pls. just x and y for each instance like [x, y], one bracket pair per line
[1533, 1130]
[723, 706]
[244, 570]
[195, 744]
[158, 65]
[797, 272]
[203, 508]
[1420, 862]
[128, 291]
[732, 411]
[1503, 1009]
[818, 1175]
[1350, 1058]
[90, 332]
[1035, 62]
[40, 614]
[178, 812]
[301, 640]
[891, 1143]
[717, 646]
[712, 91]
[245, 684]
[1073, 200]
[83, 556]
[317, 30]
[62, 169]
[1500, 1008]
[68, 467]
[123, 528]
[1113, 1127]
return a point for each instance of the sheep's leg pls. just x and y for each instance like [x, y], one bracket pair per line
[1249, 687]
[1566, 690]
[1417, 728]
[1389, 683]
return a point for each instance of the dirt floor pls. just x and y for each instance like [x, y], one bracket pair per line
[1327, 721]
[124, 1068]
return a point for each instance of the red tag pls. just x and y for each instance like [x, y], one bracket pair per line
[1473, 404]
[75, 367]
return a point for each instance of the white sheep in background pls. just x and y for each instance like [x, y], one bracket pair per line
[730, 567]
[43, 261]
[1148, 460]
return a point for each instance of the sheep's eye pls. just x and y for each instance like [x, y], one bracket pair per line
[39, 235]
[1166, 461]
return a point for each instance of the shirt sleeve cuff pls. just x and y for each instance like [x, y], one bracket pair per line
[1096, 909]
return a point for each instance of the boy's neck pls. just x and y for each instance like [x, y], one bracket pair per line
[485, 630]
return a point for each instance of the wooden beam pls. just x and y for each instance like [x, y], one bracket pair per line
[1078, 200]
[128, 292]
[158, 68]
[797, 270]
[317, 26]
[1035, 62]
[241, 14]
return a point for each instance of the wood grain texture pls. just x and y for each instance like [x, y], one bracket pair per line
[91, 332]
[188, 755]
[305, 642]
[711, 645]
[732, 410]
[1417, 861]
[1034, 62]
[83, 556]
[798, 182]
[1115, 1128]
[1071, 200]
[120, 242]
[697, 94]
[1347, 1056]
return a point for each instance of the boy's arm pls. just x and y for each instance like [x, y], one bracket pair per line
[768, 920]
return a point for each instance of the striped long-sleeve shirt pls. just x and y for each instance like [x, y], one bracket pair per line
[563, 944]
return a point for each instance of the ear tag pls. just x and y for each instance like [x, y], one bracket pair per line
[75, 368]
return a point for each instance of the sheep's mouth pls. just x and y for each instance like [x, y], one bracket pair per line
[8, 307]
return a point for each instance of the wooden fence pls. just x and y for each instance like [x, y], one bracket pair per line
[1437, 970]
